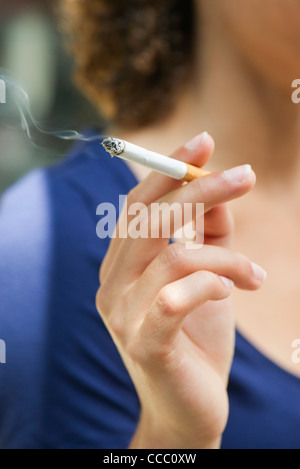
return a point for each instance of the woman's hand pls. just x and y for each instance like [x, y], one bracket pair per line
[169, 312]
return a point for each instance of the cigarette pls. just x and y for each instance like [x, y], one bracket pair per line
[162, 164]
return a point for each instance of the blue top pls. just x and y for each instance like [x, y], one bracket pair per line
[64, 384]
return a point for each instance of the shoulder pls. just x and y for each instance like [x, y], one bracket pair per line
[70, 190]
[48, 222]
[50, 257]
[87, 169]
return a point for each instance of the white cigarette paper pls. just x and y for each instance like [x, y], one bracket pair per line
[160, 163]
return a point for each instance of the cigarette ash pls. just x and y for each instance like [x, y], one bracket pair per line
[113, 146]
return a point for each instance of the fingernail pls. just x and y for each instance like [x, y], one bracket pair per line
[227, 282]
[259, 273]
[239, 174]
[195, 143]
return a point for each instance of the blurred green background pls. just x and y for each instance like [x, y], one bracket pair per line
[31, 47]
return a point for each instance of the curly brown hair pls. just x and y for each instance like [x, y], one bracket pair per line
[131, 55]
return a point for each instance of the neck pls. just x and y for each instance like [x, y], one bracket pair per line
[251, 119]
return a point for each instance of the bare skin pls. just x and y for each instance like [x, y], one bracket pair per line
[169, 311]
[246, 106]
[247, 59]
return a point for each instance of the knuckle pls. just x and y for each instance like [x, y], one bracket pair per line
[198, 183]
[147, 355]
[174, 255]
[160, 356]
[205, 189]
[116, 325]
[209, 280]
[242, 264]
[163, 354]
[100, 301]
[207, 277]
[136, 352]
[166, 301]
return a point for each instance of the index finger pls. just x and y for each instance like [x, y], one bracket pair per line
[198, 151]
[137, 252]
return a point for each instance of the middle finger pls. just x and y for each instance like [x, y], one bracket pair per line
[211, 190]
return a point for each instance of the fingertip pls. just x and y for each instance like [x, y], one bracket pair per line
[259, 273]
[240, 177]
[253, 176]
[227, 282]
[203, 141]
[209, 142]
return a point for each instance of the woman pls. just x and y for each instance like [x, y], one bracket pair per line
[161, 73]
